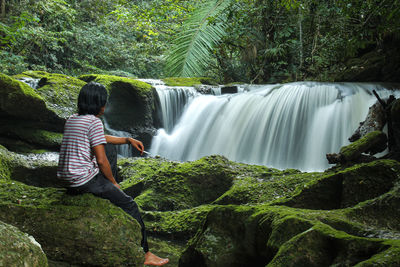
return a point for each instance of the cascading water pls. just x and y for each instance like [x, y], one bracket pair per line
[173, 101]
[124, 150]
[282, 126]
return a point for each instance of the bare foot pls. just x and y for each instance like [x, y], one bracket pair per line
[151, 259]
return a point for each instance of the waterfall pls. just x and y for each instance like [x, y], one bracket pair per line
[283, 126]
[173, 101]
[124, 150]
[34, 83]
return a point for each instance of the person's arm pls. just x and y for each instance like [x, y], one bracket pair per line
[101, 158]
[125, 140]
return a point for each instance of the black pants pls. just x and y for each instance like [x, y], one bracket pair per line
[102, 187]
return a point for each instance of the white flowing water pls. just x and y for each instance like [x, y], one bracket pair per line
[173, 101]
[283, 126]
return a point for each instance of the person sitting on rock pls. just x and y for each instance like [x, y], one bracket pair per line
[84, 158]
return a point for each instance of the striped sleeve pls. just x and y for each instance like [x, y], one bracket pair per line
[96, 133]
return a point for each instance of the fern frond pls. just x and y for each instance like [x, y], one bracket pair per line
[191, 50]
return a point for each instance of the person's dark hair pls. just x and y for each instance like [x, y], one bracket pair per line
[92, 97]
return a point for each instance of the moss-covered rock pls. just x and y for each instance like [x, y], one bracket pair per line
[380, 213]
[151, 180]
[180, 81]
[164, 248]
[33, 119]
[19, 101]
[31, 171]
[130, 106]
[59, 91]
[19, 249]
[178, 185]
[83, 229]
[26, 137]
[260, 184]
[176, 225]
[348, 187]
[372, 142]
[280, 236]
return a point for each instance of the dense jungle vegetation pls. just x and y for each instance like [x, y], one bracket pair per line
[255, 41]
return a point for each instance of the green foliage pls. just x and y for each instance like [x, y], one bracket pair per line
[192, 48]
[254, 41]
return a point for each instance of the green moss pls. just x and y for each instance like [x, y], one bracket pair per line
[388, 257]
[82, 229]
[172, 186]
[321, 245]
[5, 168]
[19, 100]
[19, 249]
[176, 225]
[364, 144]
[261, 184]
[179, 81]
[346, 187]
[59, 91]
[110, 81]
[33, 136]
[266, 235]
[379, 213]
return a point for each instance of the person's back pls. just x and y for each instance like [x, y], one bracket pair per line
[77, 164]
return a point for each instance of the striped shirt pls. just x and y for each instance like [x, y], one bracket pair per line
[77, 163]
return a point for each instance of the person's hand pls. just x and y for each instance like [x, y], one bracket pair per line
[137, 144]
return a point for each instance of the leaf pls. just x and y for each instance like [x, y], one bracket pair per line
[192, 48]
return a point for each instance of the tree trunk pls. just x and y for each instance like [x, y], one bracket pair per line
[3, 8]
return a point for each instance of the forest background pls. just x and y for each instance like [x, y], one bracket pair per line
[252, 41]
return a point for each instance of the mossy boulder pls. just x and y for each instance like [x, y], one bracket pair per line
[259, 184]
[372, 143]
[130, 106]
[18, 100]
[181, 81]
[175, 185]
[180, 225]
[19, 249]
[212, 179]
[347, 187]
[341, 217]
[29, 170]
[25, 137]
[81, 230]
[33, 119]
[281, 236]
[59, 91]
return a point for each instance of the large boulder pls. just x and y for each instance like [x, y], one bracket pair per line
[80, 230]
[31, 170]
[173, 186]
[372, 143]
[346, 188]
[130, 107]
[33, 119]
[343, 217]
[19, 101]
[19, 249]
[183, 81]
[60, 92]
